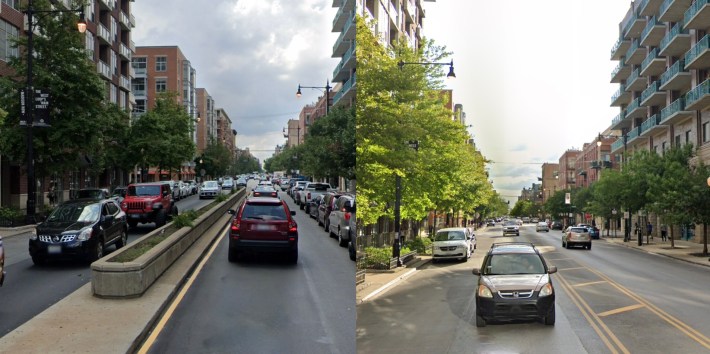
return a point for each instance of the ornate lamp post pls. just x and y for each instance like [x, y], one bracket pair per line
[327, 88]
[28, 99]
[450, 75]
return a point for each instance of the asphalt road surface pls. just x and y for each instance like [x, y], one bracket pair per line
[265, 305]
[611, 299]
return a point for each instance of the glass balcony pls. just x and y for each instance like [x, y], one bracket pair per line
[635, 110]
[673, 10]
[635, 82]
[632, 134]
[620, 47]
[620, 121]
[676, 42]
[620, 72]
[633, 28]
[698, 98]
[653, 96]
[651, 125]
[653, 33]
[342, 70]
[698, 57]
[675, 112]
[649, 7]
[617, 145]
[345, 37]
[697, 15]
[344, 90]
[635, 54]
[653, 65]
[676, 77]
[620, 97]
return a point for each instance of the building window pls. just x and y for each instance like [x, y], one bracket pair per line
[663, 146]
[687, 136]
[677, 141]
[655, 149]
[161, 63]
[706, 133]
[139, 63]
[139, 108]
[161, 84]
[8, 33]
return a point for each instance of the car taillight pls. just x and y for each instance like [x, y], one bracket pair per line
[292, 226]
[273, 194]
[235, 228]
[347, 216]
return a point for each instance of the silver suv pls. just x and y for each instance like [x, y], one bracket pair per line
[339, 219]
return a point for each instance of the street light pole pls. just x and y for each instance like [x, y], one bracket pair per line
[327, 88]
[29, 102]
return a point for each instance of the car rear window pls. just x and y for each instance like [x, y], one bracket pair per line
[450, 236]
[578, 229]
[264, 211]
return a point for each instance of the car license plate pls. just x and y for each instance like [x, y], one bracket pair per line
[262, 227]
[134, 216]
[54, 249]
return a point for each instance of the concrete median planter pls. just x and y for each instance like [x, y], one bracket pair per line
[111, 279]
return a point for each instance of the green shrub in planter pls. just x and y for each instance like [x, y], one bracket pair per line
[420, 244]
[185, 219]
[221, 197]
[380, 257]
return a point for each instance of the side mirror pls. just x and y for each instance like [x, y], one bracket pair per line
[551, 269]
[477, 271]
[231, 211]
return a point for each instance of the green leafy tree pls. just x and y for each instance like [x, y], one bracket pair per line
[245, 162]
[329, 147]
[397, 106]
[79, 117]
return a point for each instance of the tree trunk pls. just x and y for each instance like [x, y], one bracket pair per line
[705, 239]
[671, 236]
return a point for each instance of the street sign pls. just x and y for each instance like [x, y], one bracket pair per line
[568, 198]
[39, 100]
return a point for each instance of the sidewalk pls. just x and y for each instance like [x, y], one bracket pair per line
[377, 282]
[6, 232]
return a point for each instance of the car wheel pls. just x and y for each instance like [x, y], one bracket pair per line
[326, 226]
[122, 240]
[160, 218]
[293, 257]
[38, 260]
[480, 321]
[589, 247]
[320, 223]
[232, 256]
[307, 209]
[341, 241]
[567, 246]
[300, 206]
[174, 211]
[98, 251]
[550, 317]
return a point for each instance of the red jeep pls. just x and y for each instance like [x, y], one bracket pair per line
[149, 202]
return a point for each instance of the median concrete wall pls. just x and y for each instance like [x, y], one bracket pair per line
[110, 279]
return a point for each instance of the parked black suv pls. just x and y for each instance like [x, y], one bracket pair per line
[79, 228]
[514, 283]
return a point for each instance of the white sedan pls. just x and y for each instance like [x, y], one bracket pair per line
[542, 226]
[210, 189]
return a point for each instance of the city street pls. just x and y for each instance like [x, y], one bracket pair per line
[265, 305]
[611, 299]
[37, 288]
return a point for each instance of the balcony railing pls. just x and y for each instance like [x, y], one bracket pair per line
[618, 93]
[619, 117]
[697, 49]
[672, 34]
[635, 104]
[618, 144]
[672, 71]
[634, 46]
[673, 108]
[653, 22]
[633, 134]
[617, 45]
[650, 123]
[103, 33]
[698, 92]
[103, 69]
[650, 90]
[649, 58]
[341, 38]
[343, 90]
[628, 25]
[617, 68]
[344, 60]
[693, 10]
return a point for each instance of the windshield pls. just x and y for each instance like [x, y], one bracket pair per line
[514, 263]
[211, 184]
[264, 212]
[139, 191]
[450, 236]
[75, 213]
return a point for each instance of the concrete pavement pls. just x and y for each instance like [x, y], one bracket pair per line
[378, 282]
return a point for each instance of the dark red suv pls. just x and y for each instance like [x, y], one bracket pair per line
[263, 224]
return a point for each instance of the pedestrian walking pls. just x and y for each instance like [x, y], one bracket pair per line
[649, 229]
[664, 232]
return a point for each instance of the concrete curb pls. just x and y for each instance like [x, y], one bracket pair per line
[698, 261]
[7, 232]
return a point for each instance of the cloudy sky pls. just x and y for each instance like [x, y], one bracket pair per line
[533, 77]
[250, 55]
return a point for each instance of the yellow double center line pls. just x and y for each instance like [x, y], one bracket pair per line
[606, 334]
